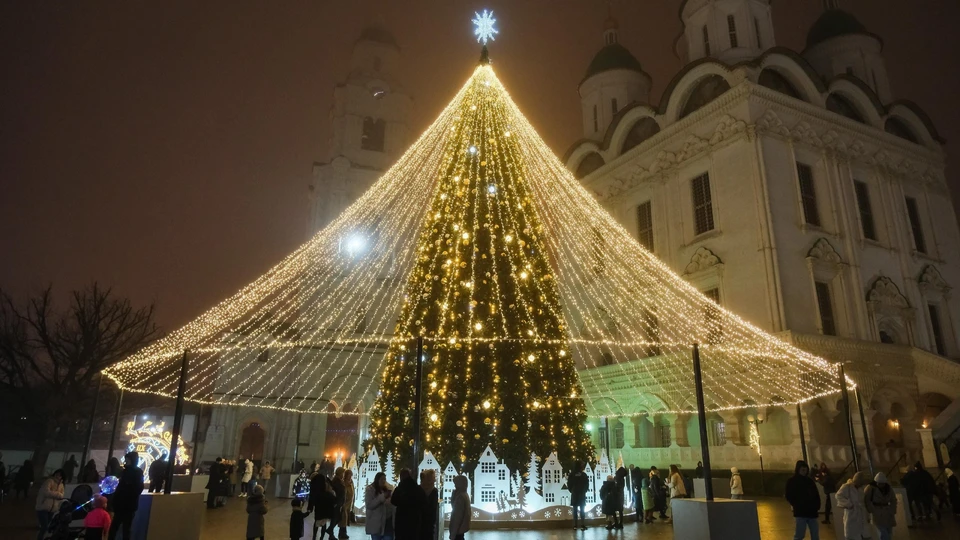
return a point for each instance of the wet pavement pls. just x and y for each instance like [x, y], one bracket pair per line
[229, 523]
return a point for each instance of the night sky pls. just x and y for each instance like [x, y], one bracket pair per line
[165, 148]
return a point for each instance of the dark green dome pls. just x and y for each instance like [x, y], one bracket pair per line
[834, 23]
[613, 56]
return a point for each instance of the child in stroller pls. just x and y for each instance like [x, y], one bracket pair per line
[67, 524]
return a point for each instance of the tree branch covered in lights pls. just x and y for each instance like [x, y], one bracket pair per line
[481, 241]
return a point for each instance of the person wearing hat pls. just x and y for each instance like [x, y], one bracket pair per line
[126, 498]
[850, 498]
[802, 494]
[736, 486]
[881, 503]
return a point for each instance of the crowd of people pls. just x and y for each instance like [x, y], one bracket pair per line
[410, 509]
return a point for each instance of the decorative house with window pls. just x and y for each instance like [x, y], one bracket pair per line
[491, 481]
[554, 488]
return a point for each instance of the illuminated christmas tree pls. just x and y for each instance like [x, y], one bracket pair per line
[498, 369]
[531, 301]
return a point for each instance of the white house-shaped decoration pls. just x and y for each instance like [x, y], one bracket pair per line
[553, 482]
[491, 482]
[592, 490]
[368, 469]
[430, 462]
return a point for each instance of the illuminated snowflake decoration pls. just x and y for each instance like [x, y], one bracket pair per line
[476, 514]
[484, 30]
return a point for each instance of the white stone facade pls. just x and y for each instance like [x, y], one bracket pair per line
[822, 216]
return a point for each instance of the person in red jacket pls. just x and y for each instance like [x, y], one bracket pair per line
[97, 522]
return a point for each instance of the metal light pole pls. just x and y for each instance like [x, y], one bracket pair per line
[701, 411]
[93, 413]
[846, 406]
[196, 437]
[866, 436]
[113, 432]
[755, 421]
[803, 441]
[177, 425]
[418, 407]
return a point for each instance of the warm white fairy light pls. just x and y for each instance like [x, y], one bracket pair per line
[326, 314]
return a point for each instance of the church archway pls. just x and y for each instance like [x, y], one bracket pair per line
[253, 440]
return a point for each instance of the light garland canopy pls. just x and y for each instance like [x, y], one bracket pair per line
[480, 238]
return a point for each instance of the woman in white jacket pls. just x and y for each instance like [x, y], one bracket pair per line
[850, 498]
[677, 489]
[247, 477]
[48, 499]
[736, 486]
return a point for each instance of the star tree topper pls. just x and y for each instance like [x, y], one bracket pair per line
[484, 27]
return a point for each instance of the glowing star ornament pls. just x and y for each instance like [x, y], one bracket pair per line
[484, 27]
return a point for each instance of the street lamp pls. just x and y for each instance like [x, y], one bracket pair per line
[755, 421]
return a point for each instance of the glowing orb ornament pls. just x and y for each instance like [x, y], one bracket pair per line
[109, 484]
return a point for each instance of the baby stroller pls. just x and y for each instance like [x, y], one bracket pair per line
[67, 524]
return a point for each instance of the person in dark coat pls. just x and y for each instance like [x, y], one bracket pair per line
[158, 475]
[408, 498]
[113, 467]
[608, 504]
[296, 519]
[215, 483]
[256, 509]
[126, 499]
[69, 468]
[659, 491]
[428, 519]
[829, 483]
[89, 474]
[339, 491]
[925, 487]
[802, 494]
[322, 502]
[953, 491]
[578, 484]
[23, 479]
[636, 480]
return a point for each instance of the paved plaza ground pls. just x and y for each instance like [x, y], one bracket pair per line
[229, 523]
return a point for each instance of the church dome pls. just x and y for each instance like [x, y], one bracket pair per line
[613, 56]
[834, 23]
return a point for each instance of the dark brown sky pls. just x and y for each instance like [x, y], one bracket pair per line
[165, 147]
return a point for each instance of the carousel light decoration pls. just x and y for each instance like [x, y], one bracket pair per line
[476, 210]
[152, 442]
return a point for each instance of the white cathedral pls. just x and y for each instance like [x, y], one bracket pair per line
[790, 187]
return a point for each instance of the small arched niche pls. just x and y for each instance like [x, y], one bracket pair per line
[706, 90]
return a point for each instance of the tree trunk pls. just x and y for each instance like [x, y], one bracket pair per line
[45, 443]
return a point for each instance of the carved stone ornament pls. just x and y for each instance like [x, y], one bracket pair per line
[727, 128]
[886, 293]
[823, 250]
[702, 259]
[930, 280]
[850, 148]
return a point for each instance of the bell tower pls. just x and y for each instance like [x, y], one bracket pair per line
[370, 119]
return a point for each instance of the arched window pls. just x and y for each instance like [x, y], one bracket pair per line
[844, 107]
[374, 132]
[708, 89]
[641, 131]
[592, 162]
[775, 81]
[898, 127]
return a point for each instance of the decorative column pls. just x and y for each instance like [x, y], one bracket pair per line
[929, 448]
[680, 435]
